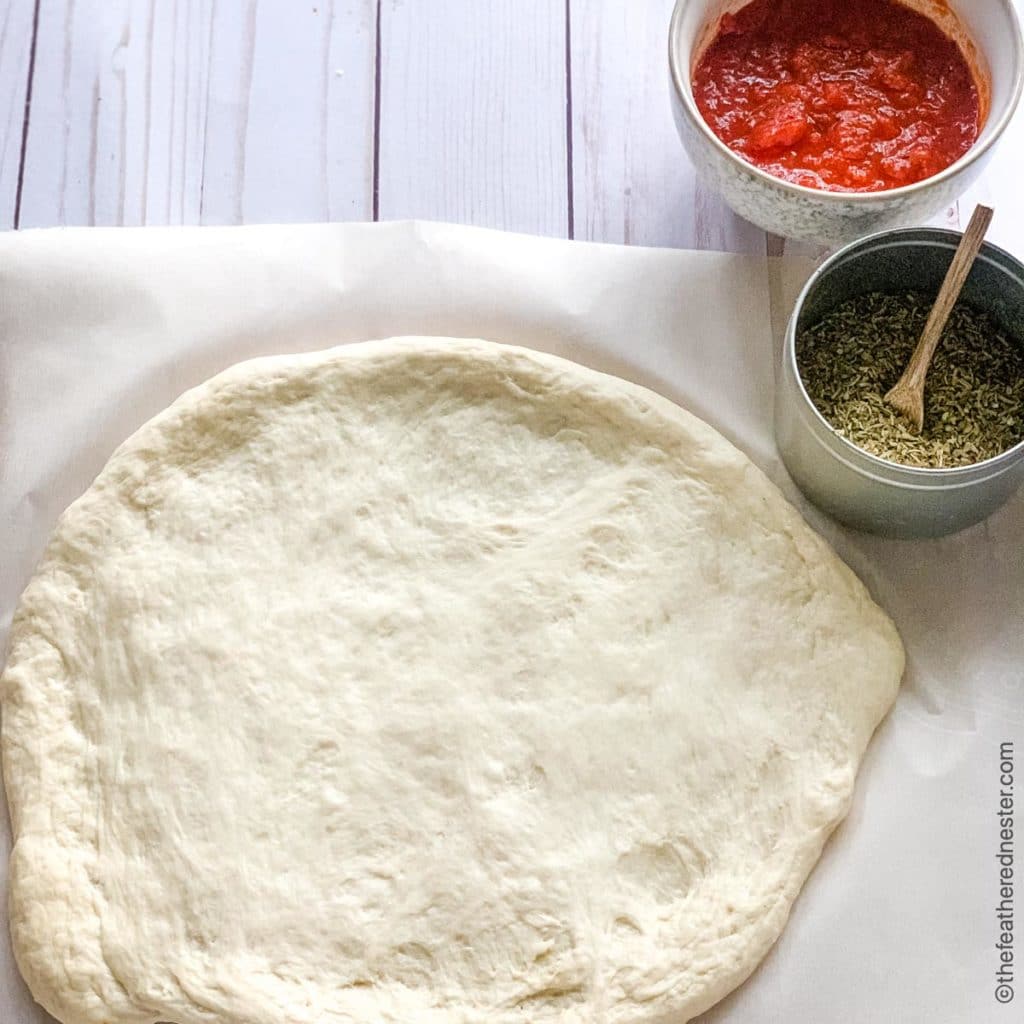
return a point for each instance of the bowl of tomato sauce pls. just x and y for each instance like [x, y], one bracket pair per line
[830, 119]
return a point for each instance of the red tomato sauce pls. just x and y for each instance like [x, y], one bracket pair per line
[840, 95]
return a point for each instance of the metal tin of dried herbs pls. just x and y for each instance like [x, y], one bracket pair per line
[856, 487]
[974, 398]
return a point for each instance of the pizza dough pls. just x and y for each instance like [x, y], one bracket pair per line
[426, 681]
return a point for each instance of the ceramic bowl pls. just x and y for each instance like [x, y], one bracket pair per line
[989, 34]
[853, 486]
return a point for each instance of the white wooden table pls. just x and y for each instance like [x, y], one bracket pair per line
[546, 116]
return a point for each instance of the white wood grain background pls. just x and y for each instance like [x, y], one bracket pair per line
[549, 116]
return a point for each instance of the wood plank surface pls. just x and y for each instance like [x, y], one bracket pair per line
[197, 112]
[89, 156]
[632, 180]
[549, 116]
[16, 35]
[473, 113]
[289, 130]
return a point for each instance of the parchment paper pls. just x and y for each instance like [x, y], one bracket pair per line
[100, 329]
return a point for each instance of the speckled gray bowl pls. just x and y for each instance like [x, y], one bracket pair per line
[857, 488]
[988, 31]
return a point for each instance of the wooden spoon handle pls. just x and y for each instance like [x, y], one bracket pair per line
[956, 277]
[907, 396]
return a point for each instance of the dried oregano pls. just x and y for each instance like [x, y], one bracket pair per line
[974, 398]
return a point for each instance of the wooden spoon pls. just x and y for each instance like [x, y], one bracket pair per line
[907, 397]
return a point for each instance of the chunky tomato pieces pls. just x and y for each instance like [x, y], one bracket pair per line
[841, 95]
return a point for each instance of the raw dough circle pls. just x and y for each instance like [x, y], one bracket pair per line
[426, 681]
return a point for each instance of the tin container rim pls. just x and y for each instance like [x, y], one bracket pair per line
[864, 461]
